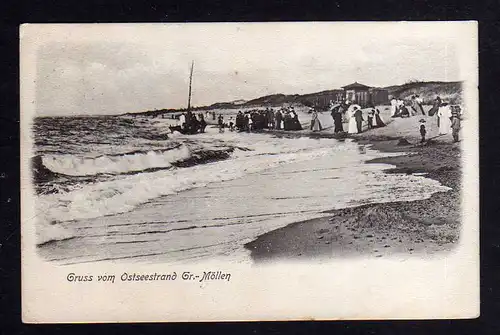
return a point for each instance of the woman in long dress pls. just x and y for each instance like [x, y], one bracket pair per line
[353, 128]
[315, 124]
[286, 121]
[296, 122]
[336, 113]
[377, 120]
[435, 106]
[444, 115]
[337, 120]
[417, 105]
[394, 103]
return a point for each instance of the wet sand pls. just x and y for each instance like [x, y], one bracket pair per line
[427, 227]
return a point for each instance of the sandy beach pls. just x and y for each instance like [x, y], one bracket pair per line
[425, 227]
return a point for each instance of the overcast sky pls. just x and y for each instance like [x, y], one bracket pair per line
[114, 69]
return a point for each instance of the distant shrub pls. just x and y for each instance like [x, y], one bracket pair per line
[414, 81]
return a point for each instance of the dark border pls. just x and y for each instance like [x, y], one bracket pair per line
[14, 13]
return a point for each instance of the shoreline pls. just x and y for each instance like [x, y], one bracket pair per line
[426, 227]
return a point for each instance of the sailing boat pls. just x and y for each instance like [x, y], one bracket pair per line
[191, 124]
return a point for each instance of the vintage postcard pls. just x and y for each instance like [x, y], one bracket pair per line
[249, 171]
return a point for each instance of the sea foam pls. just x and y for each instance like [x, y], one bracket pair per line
[257, 153]
[72, 165]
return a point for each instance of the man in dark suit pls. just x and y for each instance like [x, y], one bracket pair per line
[358, 115]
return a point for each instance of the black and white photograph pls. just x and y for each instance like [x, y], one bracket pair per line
[223, 154]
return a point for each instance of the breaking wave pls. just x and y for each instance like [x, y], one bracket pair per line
[124, 194]
[72, 165]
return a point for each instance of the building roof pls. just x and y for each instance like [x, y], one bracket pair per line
[355, 85]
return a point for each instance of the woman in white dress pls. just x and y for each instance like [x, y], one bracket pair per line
[352, 129]
[394, 103]
[444, 115]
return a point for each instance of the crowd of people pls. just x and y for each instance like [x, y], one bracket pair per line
[286, 118]
[407, 107]
[189, 123]
[449, 117]
[353, 114]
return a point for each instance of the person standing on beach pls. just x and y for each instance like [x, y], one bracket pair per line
[419, 101]
[294, 120]
[203, 123]
[377, 122]
[423, 131]
[245, 122]
[358, 115]
[455, 122]
[270, 118]
[221, 123]
[337, 118]
[315, 124]
[399, 107]
[239, 121]
[435, 107]
[278, 117]
[353, 129]
[414, 105]
[250, 122]
[286, 120]
[182, 120]
[370, 117]
[194, 125]
[394, 104]
[444, 115]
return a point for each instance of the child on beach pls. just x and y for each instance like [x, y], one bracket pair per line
[371, 115]
[221, 123]
[250, 124]
[423, 131]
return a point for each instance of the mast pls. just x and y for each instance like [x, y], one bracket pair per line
[190, 82]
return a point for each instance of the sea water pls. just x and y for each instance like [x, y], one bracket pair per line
[118, 193]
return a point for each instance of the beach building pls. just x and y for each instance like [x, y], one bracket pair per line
[379, 96]
[322, 100]
[357, 92]
[364, 95]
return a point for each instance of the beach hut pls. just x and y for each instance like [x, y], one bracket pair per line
[358, 93]
[379, 96]
[322, 100]
[365, 95]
